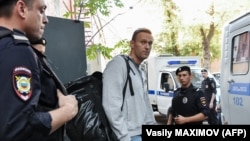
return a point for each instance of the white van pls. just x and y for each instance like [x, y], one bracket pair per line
[161, 70]
[235, 74]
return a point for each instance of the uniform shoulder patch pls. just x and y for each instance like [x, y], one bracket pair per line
[195, 90]
[21, 79]
[203, 101]
[20, 37]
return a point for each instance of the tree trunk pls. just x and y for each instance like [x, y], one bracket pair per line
[206, 40]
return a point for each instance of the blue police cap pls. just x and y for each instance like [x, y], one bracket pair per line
[183, 68]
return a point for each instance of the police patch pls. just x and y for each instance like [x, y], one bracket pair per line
[203, 101]
[184, 100]
[22, 82]
[212, 85]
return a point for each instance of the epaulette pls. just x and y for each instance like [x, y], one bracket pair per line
[197, 89]
[211, 79]
[178, 89]
[19, 37]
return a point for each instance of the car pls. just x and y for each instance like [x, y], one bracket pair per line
[217, 76]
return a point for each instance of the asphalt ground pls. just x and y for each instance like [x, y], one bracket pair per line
[162, 119]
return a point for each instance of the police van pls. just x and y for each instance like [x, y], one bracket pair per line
[162, 80]
[235, 77]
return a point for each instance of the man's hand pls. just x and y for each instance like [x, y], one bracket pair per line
[180, 119]
[68, 102]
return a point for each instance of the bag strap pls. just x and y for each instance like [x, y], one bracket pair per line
[128, 79]
[58, 82]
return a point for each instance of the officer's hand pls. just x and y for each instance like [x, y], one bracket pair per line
[211, 105]
[218, 108]
[68, 102]
[179, 119]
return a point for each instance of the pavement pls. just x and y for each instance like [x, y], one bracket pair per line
[162, 119]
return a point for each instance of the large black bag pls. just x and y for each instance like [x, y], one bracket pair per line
[90, 123]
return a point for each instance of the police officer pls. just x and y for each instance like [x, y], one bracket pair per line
[50, 82]
[208, 86]
[189, 105]
[21, 117]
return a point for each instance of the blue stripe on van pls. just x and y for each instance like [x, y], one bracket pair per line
[151, 92]
[162, 93]
[239, 88]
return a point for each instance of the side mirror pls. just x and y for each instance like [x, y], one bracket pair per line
[166, 86]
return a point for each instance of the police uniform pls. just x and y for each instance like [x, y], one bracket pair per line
[188, 101]
[48, 99]
[20, 91]
[208, 86]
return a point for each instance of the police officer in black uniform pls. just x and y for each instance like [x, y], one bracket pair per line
[21, 118]
[49, 83]
[208, 86]
[189, 105]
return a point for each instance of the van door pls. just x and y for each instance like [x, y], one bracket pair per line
[164, 99]
[238, 93]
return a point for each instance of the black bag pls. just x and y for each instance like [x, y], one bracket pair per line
[91, 123]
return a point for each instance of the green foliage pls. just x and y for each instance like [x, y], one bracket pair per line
[87, 24]
[91, 7]
[190, 41]
[95, 49]
[201, 35]
[215, 45]
[191, 49]
[68, 14]
[167, 41]
[122, 47]
[185, 40]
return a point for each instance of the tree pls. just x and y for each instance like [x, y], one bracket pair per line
[201, 37]
[122, 47]
[81, 9]
[207, 36]
[167, 41]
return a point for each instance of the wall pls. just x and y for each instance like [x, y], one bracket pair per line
[55, 8]
[216, 66]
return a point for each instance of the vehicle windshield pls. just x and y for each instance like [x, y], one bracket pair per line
[197, 78]
[217, 76]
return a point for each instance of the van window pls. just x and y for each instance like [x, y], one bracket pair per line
[241, 48]
[166, 77]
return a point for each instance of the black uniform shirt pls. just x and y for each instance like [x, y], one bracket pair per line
[188, 102]
[48, 99]
[20, 89]
[208, 86]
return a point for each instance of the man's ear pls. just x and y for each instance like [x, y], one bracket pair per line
[21, 8]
